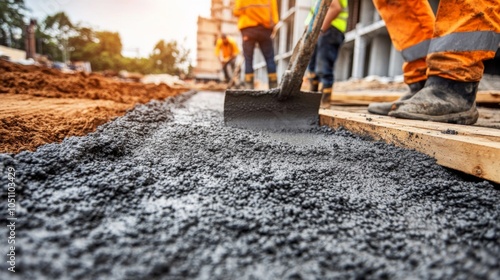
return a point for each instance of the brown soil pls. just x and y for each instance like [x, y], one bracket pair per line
[40, 105]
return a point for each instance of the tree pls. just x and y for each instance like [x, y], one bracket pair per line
[169, 58]
[12, 23]
[140, 65]
[59, 28]
[83, 46]
[47, 46]
[106, 52]
[110, 42]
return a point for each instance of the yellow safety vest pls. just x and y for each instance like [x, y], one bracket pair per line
[340, 22]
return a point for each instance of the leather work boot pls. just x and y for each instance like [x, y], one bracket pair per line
[441, 100]
[314, 85]
[383, 108]
[249, 81]
[325, 98]
[272, 80]
[313, 82]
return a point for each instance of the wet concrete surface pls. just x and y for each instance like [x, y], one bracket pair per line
[168, 192]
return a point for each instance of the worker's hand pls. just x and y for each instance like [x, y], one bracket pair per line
[276, 28]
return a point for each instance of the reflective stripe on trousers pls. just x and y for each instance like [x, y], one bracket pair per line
[465, 34]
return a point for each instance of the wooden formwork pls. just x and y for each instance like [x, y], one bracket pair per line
[365, 97]
[471, 149]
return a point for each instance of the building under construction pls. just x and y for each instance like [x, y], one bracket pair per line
[209, 29]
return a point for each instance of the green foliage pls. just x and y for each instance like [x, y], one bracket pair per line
[102, 49]
[83, 46]
[47, 45]
[12, 23]
[109, 42]
[106, 61]
[61, 40]
[59, 28]
[169, 58]
[140, 65]
[59, 23]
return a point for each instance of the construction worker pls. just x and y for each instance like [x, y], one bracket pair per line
[443, 56]
[226, 49]
[256, 20]
[327, 48]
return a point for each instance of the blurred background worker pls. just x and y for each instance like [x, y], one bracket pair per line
[226, 50]
[443, 56]
[256, 20]
[327, 48]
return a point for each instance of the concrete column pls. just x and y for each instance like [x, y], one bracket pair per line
[343, 65]
[379, 56]
[395, 63]
[281, 64]
[366, 13]
[359, 55]
[302, 9]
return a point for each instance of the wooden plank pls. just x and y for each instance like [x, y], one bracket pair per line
[455, 146]
[367, 97]
[488, 96]
[364, 97]
[465, 130]
[488, 117]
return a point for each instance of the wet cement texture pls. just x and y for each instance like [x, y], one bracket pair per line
[168, 192]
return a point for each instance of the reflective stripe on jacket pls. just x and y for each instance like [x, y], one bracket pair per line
[228, 50]
[256, 12]
[340, 22]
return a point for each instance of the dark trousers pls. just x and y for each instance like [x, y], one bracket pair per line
[251, 36]
[325, 54]
[228, 68]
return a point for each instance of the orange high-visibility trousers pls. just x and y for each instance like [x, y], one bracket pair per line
[451, 45]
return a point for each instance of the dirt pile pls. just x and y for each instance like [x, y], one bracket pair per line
[41, 105]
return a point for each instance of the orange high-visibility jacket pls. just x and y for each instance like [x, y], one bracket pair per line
[256, 12]
[451, 45]
[228, 50]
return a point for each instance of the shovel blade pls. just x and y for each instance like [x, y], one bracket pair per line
[261, 110]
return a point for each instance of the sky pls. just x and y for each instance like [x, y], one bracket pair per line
[140, 23]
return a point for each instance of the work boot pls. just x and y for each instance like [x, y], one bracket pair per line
[314, 85]
[383, 108]
[441, 100]
[272, 80]
[325, 98]
[313, 82]
[249, 81]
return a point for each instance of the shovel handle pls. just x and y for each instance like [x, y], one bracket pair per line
[302, 52]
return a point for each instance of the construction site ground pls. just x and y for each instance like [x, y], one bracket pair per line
[41, 105]
[159, 188]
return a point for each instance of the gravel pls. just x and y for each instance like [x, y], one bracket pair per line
[168, 192]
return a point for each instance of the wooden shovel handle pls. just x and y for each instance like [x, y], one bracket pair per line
[302, 52]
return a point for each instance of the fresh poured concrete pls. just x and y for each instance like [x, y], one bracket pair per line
[168, 192]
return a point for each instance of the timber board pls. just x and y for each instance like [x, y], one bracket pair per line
[469, 149]
[365, 97]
